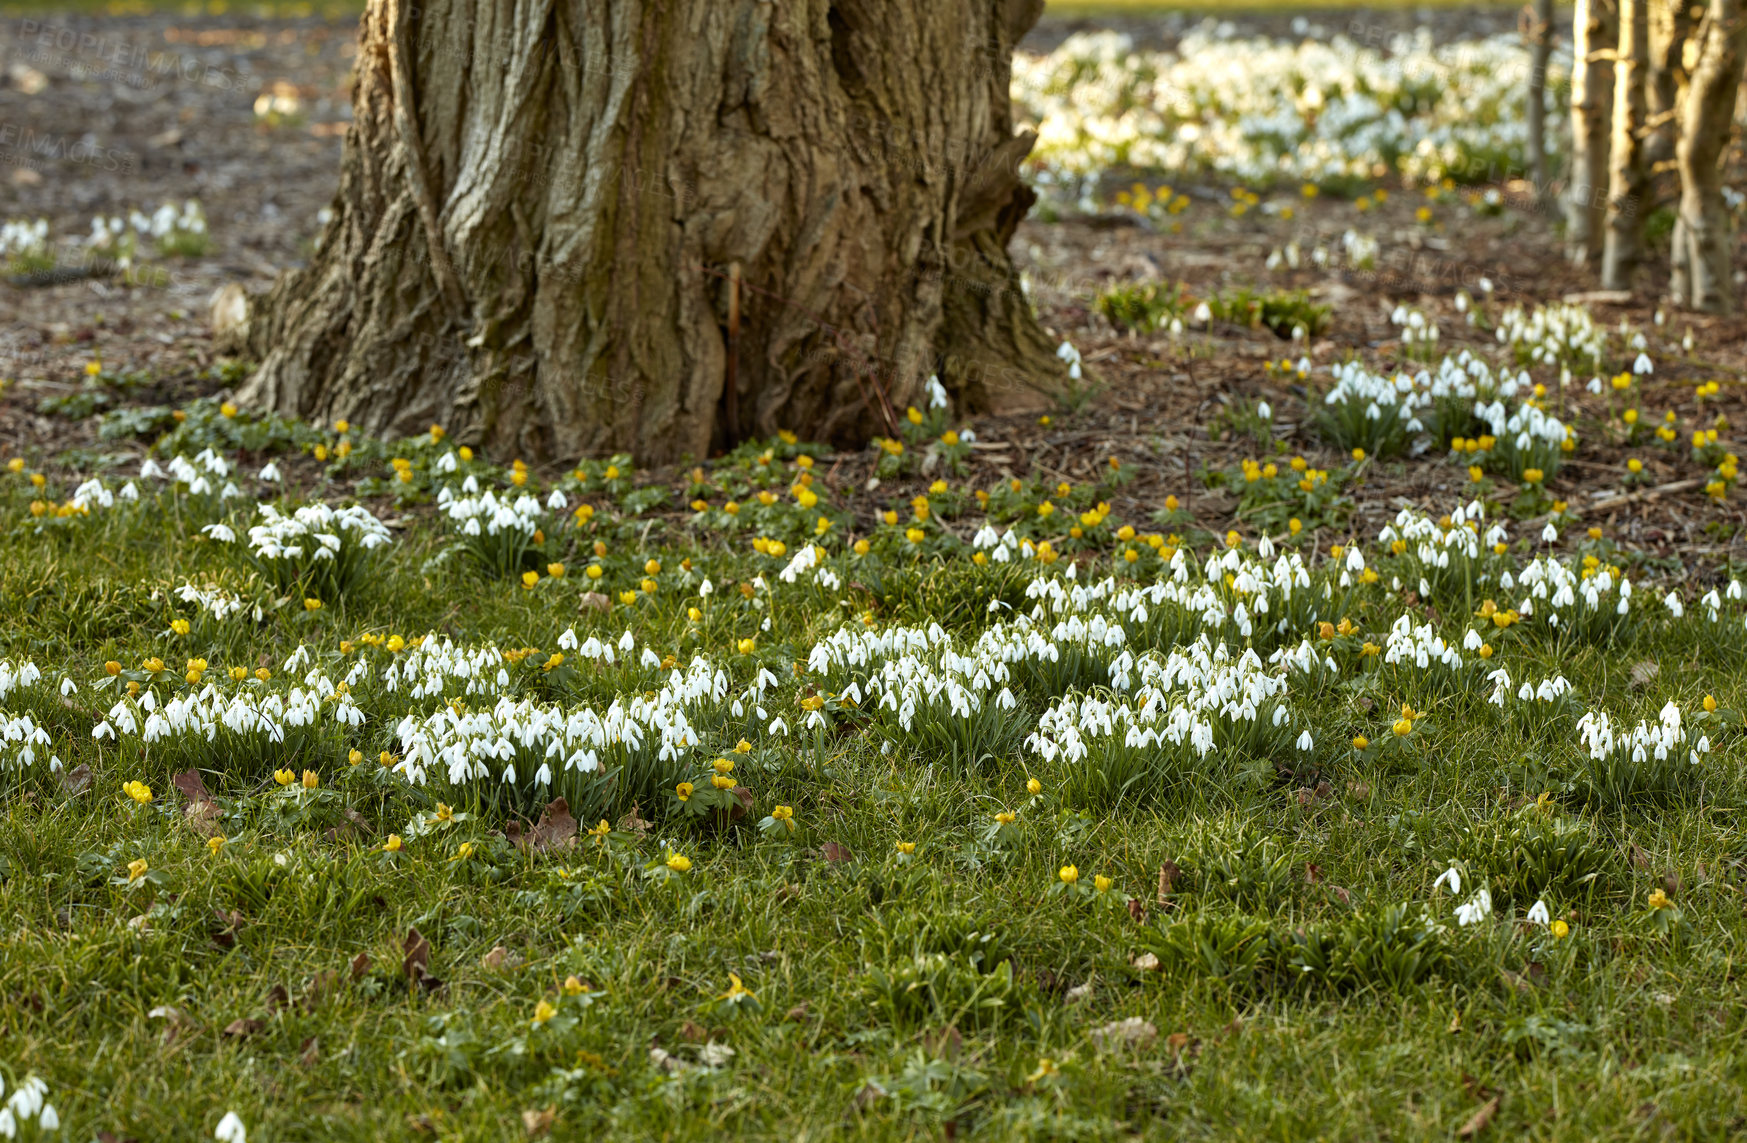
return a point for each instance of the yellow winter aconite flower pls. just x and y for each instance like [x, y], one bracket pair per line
[683, 790]
[1659, 900]
[214, 844]
[312, 604]
[1068, 874]
[1360, 742]
[228, 409]
[678, 862]
[353, 757]
[1710, 703]
[1046, 1068]
[138, 791]
[544, 1011]
[179, 626]
[530, 578]
[1559, 929]
[1006, 817]
[284, 777]
[627, 598]
[136, 869]
[784, 814]
[746, 646]
[1403, 728]
[444, 812]
[1102, 883]
[392, 845]
[906, 847]
[463, 851]
[311, 779]
[1034, 786]
[737, 990]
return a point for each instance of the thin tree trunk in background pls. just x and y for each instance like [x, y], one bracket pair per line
[540, 203]
[1594, 32]
[1540, 34]
[1628, 177]
[1703, 274]
[1672, 23]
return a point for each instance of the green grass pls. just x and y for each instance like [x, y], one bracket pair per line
[895, 996]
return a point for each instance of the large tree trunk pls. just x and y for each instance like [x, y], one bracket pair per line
[1595, 32]
[1671, 25]
[1540, 37]
[1628, 177]
[1703, 277]
[540, 204]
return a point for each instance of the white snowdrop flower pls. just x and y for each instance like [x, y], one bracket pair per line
[270, 473]
[129, 491]
[1550, 534]
[221, 533]
[1305, 742]
[936, 393]
[1265, 411]
[8, 1123]
[230, 1129]
[1203, 314]
[49, 1119]
[1538, 914]
[1594, 385]
[1642, 365]
[67, 686]
[778, 726]
[1477, 909]
[150, 470]
[706, 588]
[1675, 607]
[1451, 879]
[557, 501]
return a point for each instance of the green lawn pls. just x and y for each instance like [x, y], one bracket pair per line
[871, 951]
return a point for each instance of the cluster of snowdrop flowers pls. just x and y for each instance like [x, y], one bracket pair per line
[1540, 698]
[1193, 703]
[24, 239]
[214, 601]
[1369, 410]
[1529, 438]
[477, 513]
[196, 475]
[315, 531]
[16, 676]
[28, 1102]
[22, 742]
[1561, 334]
[1660, 741]
[1586, 601]
[1261, 109]
[268, 714]
[542, 745]
[1419, 334]
[1712, 602]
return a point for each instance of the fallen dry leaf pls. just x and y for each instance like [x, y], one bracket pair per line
[595, 601]
[539, 1123]
[1146, 962]
[243, 1026]
[309, 1054]
[360, 965]
[833, 852]
[416, 963]
[76, 781]
[1133, 1032]
[556, 829]
[1480, 1120]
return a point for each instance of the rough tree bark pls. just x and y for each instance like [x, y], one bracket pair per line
[1671, 26]
[1702, 272]
[540, 204]
[1628, 176]
[1595, 32]
[1540, 36]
